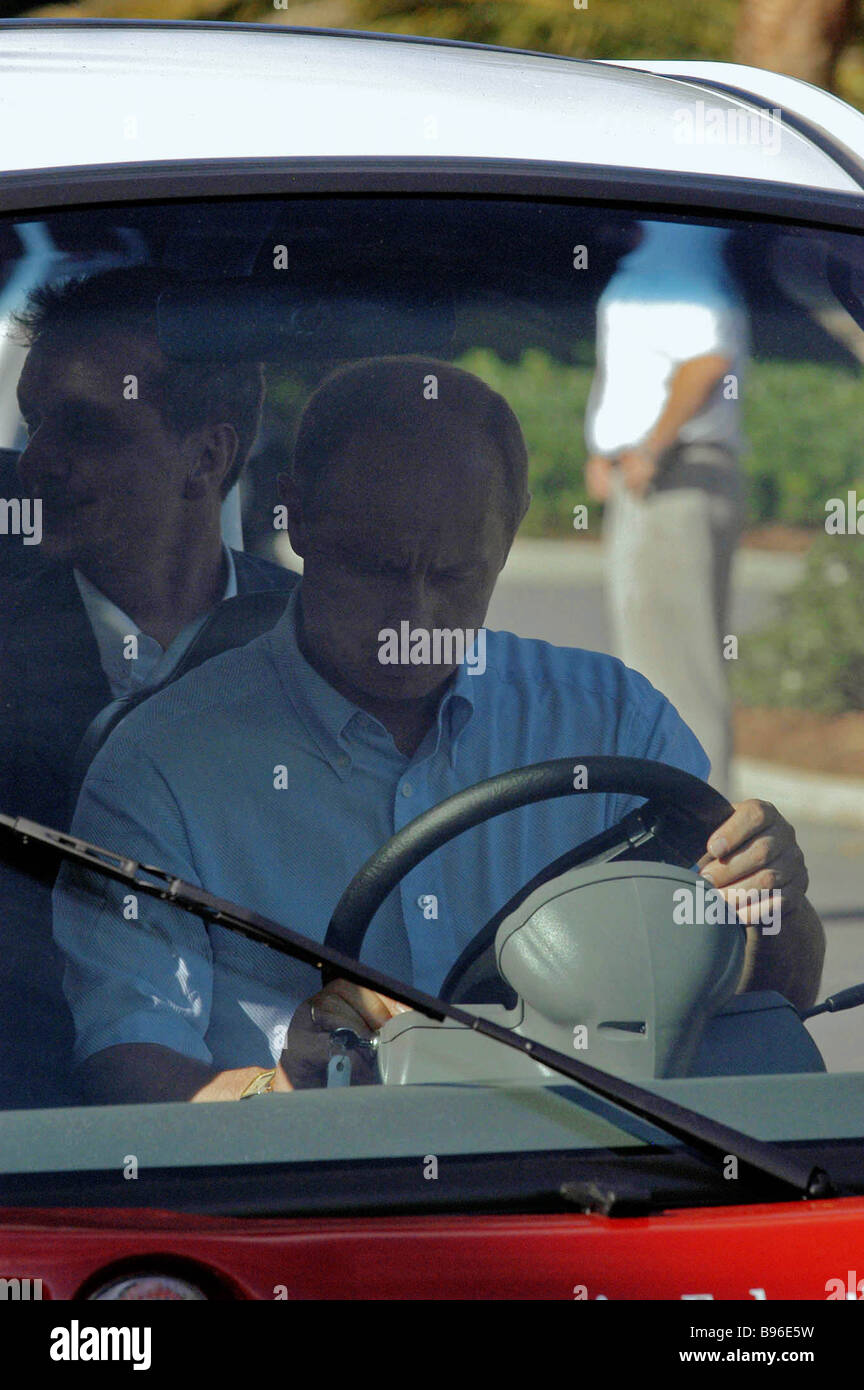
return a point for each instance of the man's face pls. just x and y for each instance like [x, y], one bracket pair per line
[109, 473]
[405, 528]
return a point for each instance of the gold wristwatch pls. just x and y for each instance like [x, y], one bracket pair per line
[260, 1085]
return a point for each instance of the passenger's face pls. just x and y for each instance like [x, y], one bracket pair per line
[108, 472]
[409, 530]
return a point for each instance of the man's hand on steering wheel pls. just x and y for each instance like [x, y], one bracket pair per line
[756, 849]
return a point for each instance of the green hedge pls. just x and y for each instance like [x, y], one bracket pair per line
[627, 29]
[812, 657]
[549, 399]
[602, 29]
[803, 421]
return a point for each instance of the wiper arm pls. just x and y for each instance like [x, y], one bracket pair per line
[707, 1135]
[851, 998]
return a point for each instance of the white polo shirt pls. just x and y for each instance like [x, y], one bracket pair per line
[670, 301]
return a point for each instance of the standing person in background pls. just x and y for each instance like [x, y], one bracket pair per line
[662, 429]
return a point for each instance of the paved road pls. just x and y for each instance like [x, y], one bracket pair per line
[554, 590]
[835, 858]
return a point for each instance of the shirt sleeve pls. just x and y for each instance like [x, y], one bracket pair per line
[697, 330]
[137, 970]
[672, 741]
[652, 728]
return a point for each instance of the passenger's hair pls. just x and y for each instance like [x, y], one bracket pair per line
[124, 299]
[389, 391]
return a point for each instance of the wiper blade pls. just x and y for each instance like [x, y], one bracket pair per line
[710, 1137]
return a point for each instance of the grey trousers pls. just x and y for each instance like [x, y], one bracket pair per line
[668, 570]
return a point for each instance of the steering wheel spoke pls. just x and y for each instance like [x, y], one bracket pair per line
[679, 814]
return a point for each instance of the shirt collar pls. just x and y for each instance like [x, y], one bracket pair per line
[326, 714]
[231, 580]
[456, 710]
[112, 627]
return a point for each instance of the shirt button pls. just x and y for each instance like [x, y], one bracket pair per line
[407, 789]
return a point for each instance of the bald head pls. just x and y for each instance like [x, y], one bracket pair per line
[412, 416]
[408, 484]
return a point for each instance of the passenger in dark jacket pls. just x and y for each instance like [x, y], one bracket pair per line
[130, 457]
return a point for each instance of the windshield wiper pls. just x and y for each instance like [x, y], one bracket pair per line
[709, 1136]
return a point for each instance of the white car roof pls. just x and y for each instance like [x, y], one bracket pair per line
[99, 92]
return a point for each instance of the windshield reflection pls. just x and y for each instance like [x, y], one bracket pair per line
[403, 623]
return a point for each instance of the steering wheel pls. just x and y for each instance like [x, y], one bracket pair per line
[673, 826]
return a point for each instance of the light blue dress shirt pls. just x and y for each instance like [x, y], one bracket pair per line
[254, 778]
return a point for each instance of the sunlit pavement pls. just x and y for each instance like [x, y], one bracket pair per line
[554, 589]
[834, 858]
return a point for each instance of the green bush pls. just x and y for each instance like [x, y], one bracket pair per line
[549, 399]
[609, 29]
[802, 421]
[812, 657]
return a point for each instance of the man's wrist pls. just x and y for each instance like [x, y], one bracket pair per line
[651, 449]
[235, 1084]
[260, 1085]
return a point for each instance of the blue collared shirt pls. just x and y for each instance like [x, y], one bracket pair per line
[254, 778]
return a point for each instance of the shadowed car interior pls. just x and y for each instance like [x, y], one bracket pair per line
[277, 732]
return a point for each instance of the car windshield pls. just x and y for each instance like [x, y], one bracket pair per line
[318, 512]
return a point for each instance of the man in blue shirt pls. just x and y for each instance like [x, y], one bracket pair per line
[272, 773]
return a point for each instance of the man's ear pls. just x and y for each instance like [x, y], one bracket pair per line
[214, 458]
[289, 496]
[515, 532]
